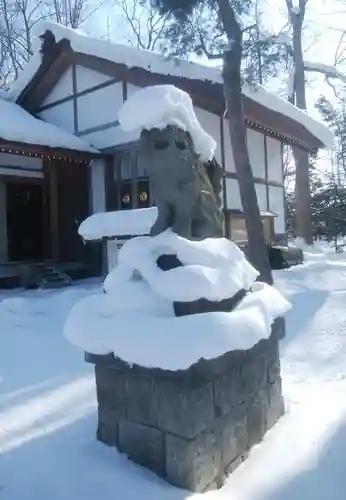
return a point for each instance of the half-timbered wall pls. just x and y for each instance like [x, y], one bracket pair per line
[61, 115]
[63, 89]
[86, 102]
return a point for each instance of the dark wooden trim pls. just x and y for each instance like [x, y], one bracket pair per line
[232, 175]
[134, 179]
[98, 128]
[39, 151]
[51, 68]
[74, 97]
[118, 175]
[124, 91]
[266, 169]
[82, 93]
[46, 211]
[90, 189]
[54, 209]
[44, 86]
[109, 182]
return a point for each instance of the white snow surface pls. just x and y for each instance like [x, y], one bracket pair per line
[48, 407]
[161, 105]
[17, 125]
[134, 222]
[157, 63]
[141, 327]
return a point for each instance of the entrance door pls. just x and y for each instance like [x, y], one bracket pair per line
[25, 221]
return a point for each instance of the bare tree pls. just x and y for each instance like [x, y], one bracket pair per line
[17, 19]
[72, 13]
[144, 27]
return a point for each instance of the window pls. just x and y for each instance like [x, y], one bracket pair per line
[238, 231]
[126, 197]
[143, 193]
[130, 183]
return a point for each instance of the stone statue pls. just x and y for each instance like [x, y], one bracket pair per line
[185, 190]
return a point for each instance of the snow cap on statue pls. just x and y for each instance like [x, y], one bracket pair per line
[160, 106]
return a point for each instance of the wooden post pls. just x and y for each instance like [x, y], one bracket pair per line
[54, 210]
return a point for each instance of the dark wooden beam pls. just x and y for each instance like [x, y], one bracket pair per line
[52, 173]
[39, 151]
[82, 93]
[46, 77]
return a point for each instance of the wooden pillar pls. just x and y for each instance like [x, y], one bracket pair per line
[54, 209]
[46, 211]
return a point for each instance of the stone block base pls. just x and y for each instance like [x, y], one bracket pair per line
[191, 427]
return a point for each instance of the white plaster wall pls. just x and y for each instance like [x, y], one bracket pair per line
[62, 89]
[211, 124]
[98, 187]
[274, 152]
[100, 107]
[109, 137]
[131, 89]
[61, 115]
[277, 205]
[255, 142]
[233, 195]
[229, 161]
[3, 222]
[261, 193]
[87, 78]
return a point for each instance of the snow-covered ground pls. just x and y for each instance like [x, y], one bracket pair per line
[47, 403]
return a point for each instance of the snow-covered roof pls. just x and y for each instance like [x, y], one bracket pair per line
[160, 64]
[17, 125]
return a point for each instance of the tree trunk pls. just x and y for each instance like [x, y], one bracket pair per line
[303, 222]
[258, 253]
[302, 193]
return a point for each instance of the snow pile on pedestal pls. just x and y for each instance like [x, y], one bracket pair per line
[162, 105]
[135, 320]
[134, 222]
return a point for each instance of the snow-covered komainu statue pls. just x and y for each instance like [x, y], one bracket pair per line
[184, 177]
[185, 190]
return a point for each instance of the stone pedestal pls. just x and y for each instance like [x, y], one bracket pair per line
[191, 427]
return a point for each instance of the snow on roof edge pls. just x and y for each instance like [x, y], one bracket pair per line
[19, 126]
[160, 64]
